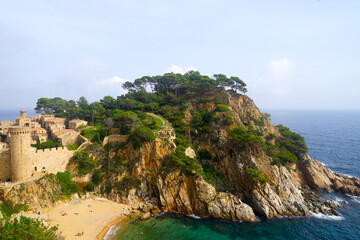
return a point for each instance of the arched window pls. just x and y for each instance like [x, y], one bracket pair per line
[35, 168]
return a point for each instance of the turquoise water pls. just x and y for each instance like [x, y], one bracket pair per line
[333, 137]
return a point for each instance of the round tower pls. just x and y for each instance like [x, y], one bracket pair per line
[20, 149]
[23, 113]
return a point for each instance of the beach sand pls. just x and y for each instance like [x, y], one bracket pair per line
[94, 217]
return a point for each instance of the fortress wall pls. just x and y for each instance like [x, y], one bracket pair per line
[54, 160]
[5, 165]
[115, 138]
[70, 139]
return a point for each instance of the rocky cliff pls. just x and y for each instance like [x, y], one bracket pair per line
[223, 159]
[230, 192]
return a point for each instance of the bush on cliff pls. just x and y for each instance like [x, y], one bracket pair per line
[140, 135]
[27, 228]
[256, 175]
[67, 186]
[7, 209]
[241, 136]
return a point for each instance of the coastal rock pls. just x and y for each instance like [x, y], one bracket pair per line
[198, 197]
[145, 216]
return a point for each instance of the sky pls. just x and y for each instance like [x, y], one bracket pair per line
[291, 54]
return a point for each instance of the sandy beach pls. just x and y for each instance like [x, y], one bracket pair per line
[92, 217]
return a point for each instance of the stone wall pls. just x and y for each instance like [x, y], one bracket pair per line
[52, 160]
[5, 168]
[115, 138]
[68, 139]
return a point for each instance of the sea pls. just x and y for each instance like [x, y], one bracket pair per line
[333, 138]
[12, 114]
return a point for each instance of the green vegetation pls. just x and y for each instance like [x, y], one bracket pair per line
[85, 163]
[293, 142]
[128, 183]
[256, 175]
[7, 209]
[179, 160]
[47, 144]
[95, 134]
[27, 228]
[73, 146]
[241, 136]
[68, 187]
[196, 106]
[140, 135]
[97, 177]
[222, 108]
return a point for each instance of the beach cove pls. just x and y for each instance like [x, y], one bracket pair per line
[85, 219]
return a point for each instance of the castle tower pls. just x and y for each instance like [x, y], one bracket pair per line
[23, 113]
[20, 148]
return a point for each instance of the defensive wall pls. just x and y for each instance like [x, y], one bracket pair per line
[5, 168]
[52, 160]
[22, 161]
[115, 138]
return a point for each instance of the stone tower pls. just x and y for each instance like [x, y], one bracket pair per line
[20, 150]
[23, 113]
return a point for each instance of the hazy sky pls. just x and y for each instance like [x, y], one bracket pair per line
[293, 54]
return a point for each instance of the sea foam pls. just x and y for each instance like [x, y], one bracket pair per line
[327, 217]
[112, 232]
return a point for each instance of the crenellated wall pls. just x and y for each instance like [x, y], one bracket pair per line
[52, 159]
[22, 161]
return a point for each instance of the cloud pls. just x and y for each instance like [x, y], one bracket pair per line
[177, 69]
[277, 79]
[281, 68]
[111, 81]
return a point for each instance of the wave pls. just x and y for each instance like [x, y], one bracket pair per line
[327, 217]
[194, 216]
[112, 232]
[354, 198]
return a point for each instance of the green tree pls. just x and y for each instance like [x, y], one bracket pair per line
[27, 228]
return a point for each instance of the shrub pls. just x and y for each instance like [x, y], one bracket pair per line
[27, 228]
[47, 144]
[140, 135]
[222, 108]
[293, 142]
[186, 164]
[228, 120]
[90, 187]
[7, 209]
[67, 186]
[129, 182]
[73, 146]
[256, 175]
[204, 154]
[241, 136]
[97, 177]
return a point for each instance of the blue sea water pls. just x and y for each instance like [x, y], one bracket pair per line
[12, 114]
[333, 138]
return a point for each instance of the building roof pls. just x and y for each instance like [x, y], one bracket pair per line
[77, 120]
[63, 132]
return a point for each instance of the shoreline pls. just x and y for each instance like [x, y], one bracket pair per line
[105, 231]
[91, 218]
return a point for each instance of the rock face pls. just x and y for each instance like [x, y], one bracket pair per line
[282, 195]
[148, 182]
[42, 193]
[195, 196]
